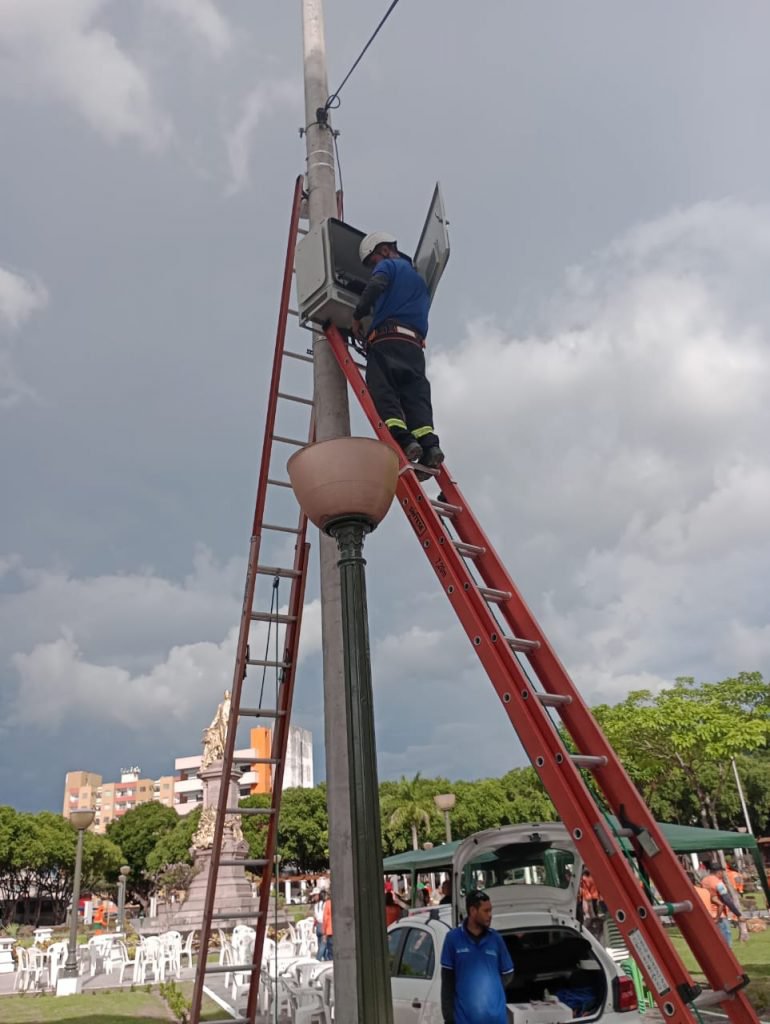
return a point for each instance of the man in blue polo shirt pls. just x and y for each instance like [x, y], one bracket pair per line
[399, 301]
[476, 968]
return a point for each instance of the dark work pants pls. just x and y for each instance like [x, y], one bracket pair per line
[395, 376]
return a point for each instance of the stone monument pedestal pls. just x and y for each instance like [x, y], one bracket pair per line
[234, 891]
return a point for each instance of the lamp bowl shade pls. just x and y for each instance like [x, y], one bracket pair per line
[82, 818]
[348, 476]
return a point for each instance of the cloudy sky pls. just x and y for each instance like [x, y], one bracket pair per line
[599, 351]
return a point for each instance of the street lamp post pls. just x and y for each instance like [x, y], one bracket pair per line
[125, 871]
[346, 486]
[81, 820]
[445, 802]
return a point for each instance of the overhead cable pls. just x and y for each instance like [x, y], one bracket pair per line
[333, 101]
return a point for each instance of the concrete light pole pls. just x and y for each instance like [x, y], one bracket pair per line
[81, 820]
[346, 487]
[125, 871]
[445, 802]
[332, 420]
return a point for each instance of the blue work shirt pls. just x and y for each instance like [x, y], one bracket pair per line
[406, 298]
[477, 965]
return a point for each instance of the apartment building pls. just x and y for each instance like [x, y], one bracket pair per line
[256, 778]
[113, 799]
[184, 790]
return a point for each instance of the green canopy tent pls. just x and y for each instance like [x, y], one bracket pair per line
[681, 838]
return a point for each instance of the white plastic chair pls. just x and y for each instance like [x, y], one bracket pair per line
[23, 971]
[171, 943]
[57, 957]
[153, 958]
[121, 960]
[187, 949]
[38, 967]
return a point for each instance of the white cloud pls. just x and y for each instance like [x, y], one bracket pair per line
[203, 20]
[20, 297]
[242, 138]
[138, 650]
[626, 473]
[54, 50]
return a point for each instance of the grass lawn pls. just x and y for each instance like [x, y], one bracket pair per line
[110, 1007]
[754, 957]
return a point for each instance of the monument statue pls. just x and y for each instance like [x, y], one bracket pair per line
[214, 735]
[233, 890]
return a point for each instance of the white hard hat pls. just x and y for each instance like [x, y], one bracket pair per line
[371, 242]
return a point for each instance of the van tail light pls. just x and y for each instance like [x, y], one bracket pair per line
[624, 994]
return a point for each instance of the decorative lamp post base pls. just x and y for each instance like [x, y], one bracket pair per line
[67, 985]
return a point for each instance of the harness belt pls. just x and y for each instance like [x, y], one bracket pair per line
[395, 332]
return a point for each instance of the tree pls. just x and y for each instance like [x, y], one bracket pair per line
[255, 826]
[684, 737]
[173, 847]
[409, 804]
[136, 833]
[37, 863]
[303, 829]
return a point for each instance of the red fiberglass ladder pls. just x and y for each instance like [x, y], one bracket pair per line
[504, 632]
[284, 661]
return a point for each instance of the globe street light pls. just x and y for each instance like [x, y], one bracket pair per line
[125, 871]
[345, 487]
[445, 802]
[81, 820]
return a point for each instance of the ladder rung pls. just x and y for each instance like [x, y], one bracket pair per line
[516, 643]
[295, 398]
[249, 811]
[287, 574]
[227, 1020]
[293, 312]
[588, 760]
[666, 909]
[472, 550]
[444, 508]
[427, 470]
[711, 998]
[261, 713]
[224, 915]
[553, 700]
[272, 617]
[261, 663]
[290, 440]
[278, 483]
[280, 529]
[231, 968]
[265, 760]
[258, 862]
[498, 596]
[298, 355]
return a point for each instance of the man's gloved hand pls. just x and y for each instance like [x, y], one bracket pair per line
[357, 329]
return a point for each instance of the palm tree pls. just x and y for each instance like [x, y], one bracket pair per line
[414, 808]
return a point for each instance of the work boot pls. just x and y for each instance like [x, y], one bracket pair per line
[432, 457]
[413, 451]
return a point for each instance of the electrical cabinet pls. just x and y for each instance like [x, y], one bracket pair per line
[330, 276]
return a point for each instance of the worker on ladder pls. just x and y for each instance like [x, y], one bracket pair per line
[395, 349]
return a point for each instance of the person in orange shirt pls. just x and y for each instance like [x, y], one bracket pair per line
[393, 912]
[720, 900]
[588, 894]
[327, 928]
[100, 915]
